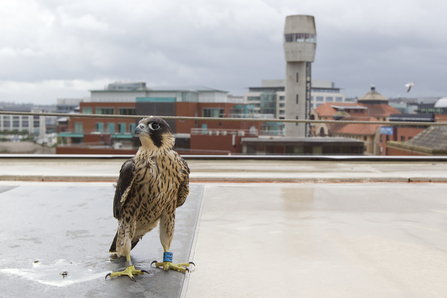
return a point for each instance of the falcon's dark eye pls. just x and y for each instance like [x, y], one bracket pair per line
[154, 126]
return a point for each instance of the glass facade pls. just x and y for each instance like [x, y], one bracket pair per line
[99, 127]
[105, 111]
[215, 113]
[268, 103]
[25, 121]
[78, 127]
[122, 127]
[111, 127]
[15, 121]
[6, 122]
[36, 121]
[126, 111]
[300, 37]
[87, 110]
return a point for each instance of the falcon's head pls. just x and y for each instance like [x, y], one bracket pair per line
[155, 133]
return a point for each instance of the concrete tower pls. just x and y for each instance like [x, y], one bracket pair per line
[300, 42]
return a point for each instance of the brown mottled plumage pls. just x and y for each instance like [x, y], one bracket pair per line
[150, 187]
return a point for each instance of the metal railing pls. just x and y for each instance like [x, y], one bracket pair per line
[384, 123]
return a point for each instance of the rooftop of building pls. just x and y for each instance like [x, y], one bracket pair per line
[432, 140]
[354, 129]
[334, 224]
[297, 140]
[373, 96]
[441, 103]
[139, 87]
[374, 110]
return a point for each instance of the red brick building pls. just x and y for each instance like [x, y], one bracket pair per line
[192, 136]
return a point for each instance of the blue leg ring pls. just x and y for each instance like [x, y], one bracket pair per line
[167, 256]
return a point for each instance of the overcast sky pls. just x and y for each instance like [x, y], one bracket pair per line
[62, 48]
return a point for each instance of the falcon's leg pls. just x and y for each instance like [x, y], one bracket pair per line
[130, 270]
[167, 222]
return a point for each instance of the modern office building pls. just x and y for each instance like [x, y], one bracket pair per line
[300, 42]
[193, 136]
[270, 99]
[67, 105]
[35, 125]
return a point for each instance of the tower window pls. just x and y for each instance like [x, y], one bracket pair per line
[297, 77]
[297, 99]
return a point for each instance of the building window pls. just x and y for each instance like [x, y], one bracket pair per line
[15, 121]
[329, 99]
[6, 122]
[36, 121]
[339, 99]
[312, 105]
[387, 138]
[297, 99]
[282, 105]
[297, 78]
[87, 110]
[312, 98]
[78, 127]
[215, 113]
[99, 127]
[111, 127]
[402, 138]
[132, 128]
[126, 111]
[105, 111]
[25, 121]
[250, 98]
[364, 138]
[282, 112]
[122, 127]
[320, 98]
[282, 98]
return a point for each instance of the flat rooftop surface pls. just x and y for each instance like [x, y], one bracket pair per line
[55, 239]
[343, 231]
[245, 170]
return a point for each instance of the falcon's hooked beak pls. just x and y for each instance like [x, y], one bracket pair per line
[139, 129]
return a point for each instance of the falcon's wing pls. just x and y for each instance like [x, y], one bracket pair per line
[123, 186]
[183, 191]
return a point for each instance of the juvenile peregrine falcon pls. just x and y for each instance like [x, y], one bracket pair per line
[150, 187]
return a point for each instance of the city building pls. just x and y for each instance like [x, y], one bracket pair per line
[431, 141]
[192, 136]
[302, 146]
[269, 99]
[67, 105]
[368, 134]
[35, 125]
[371, 107]
[300, 42]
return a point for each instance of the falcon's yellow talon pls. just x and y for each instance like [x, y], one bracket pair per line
[182, 267]
[129, 271]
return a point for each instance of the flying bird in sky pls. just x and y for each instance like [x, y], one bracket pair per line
[409, 85]
[150, 187]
